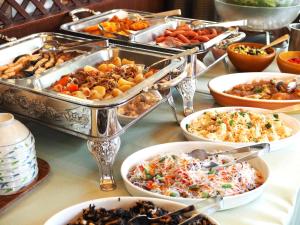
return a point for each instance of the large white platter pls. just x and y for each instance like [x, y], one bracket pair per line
[66, 215]
[184, 147]
[275, 145]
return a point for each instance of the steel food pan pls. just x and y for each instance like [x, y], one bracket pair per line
[78, 25]
[84, 118]
[29, 45]
[209, 53]
[147, 37]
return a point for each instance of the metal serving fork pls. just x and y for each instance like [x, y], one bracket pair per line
[207, 206]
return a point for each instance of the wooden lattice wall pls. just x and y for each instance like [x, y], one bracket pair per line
[23, 17]
[13, 11]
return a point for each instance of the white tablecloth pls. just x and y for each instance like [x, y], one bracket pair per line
[74, 174]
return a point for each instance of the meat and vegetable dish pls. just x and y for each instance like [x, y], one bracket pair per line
[266, 89]
[239, 126]
[33, 64]
[180, 175]
[139, 104]
[248, 50]
[116, 25]
[104, 81]
[119, 216]
[184, 35]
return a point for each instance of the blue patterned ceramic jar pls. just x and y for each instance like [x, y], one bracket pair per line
[18, 163]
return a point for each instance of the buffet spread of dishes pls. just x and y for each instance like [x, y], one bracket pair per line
[98, 93]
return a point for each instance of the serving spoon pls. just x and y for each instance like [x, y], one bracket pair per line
[276, 42]
[203, 154]
[206, 206]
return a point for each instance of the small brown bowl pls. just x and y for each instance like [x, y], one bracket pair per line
[288, 67]
[250, 63]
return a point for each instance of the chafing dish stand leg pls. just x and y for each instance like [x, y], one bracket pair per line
[171, 103]
[105, 152]
[187, 87]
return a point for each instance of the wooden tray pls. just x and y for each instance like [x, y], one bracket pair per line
[6, 201]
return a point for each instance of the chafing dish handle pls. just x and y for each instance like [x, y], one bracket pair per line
[80, 10]
[171, 83]
[7, 39]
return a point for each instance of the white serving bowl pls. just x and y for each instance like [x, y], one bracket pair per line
[185, 147]
[65, 216]
[274, 145]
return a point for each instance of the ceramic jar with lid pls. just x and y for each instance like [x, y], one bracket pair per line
[18, 163]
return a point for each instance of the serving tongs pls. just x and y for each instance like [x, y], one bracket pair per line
[56, 46]
[200, 24]
[253, 150]
[137, 16]
[207, 206]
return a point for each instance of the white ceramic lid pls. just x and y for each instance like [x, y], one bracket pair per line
[12, 131]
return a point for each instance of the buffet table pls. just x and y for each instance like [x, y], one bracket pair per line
[74, 173]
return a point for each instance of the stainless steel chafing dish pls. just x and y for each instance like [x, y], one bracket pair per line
[31, 44]
[96, 121]
[207, 54]
[78, 25]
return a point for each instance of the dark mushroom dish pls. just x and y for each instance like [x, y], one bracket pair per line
[267, 89]
[33, 64]
[119, 216]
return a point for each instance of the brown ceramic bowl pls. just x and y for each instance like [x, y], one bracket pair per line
[288, 67]
[220, 84]
[250, 63]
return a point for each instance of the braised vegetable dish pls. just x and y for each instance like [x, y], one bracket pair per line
[119, 216]
[248, 50]
[184, 35]
[104, 81]
[116, 25]
[266, 89]
[33, 64]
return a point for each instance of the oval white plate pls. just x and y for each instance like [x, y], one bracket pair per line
[183, 147]
[65, 216]
[218, 85]
[275, 145]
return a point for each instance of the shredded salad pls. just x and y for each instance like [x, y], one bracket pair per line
[239, 126]
[183, 176]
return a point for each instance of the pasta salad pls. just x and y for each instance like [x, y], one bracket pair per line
[239, 126]
[182, 176]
